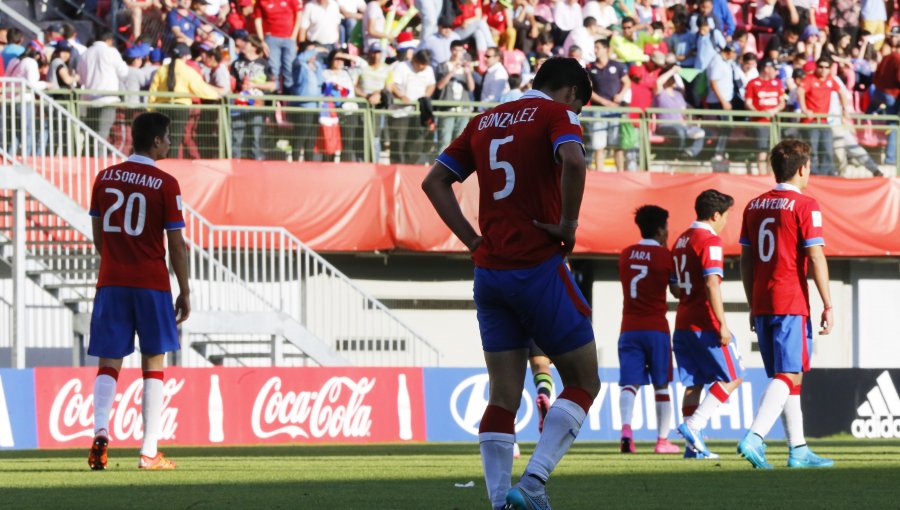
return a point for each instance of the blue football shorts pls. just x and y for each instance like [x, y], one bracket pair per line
[541, 303]
[120, 312]
[785, 342]
[703, 360]
[645, 356]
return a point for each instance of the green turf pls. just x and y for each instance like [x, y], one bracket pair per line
[422, 476]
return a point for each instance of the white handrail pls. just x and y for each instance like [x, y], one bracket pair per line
[238, 268]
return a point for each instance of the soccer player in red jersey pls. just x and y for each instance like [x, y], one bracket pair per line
[645, 347]
[703, 344]
[132, 205]
[528, 155]
[765, 93]
[781, 231]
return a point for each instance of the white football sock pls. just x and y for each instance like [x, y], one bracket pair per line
[771, 406]
[497, 461]
[663, 412]
[792, 419]
[151, 410]
[561, 427]
[626, 403]
[104, 396]
[707, 408]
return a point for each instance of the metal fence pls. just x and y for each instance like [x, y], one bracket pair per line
[624, 139]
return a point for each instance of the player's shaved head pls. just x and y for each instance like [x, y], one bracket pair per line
[788, 157]
[146, 128]
[711, 202]
[561, 72]
[651, 219]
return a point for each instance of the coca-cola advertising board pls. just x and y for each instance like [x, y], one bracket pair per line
[262, 405]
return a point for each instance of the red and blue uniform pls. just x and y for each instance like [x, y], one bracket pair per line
[523, 288]
[699, 353]
[136, 203]
[645, 347]
[778, 226]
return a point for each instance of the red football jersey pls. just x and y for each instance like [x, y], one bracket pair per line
[645, 270]
[136, 202]
[513, 150]
[765, 95]
[697, 254]
[818, 94]
[778, 226]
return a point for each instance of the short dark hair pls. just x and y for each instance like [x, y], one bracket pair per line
[146, 128]
[515, 81]
[602, 42]
[422, 57]
[456, 43]
[589, 22]
[15, 36]
[710, 202]
[106, 35]
[788, 157]
[824, 60]
[627, 19]
[559, 72]
[650, 219]
[748, 57]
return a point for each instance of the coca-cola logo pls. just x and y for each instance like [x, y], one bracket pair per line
[335, 410]
[72, 412]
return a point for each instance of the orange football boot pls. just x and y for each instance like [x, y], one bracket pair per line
[154, 463]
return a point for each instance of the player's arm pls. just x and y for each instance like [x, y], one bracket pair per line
[97, 229]
[819, 265]
[438, 186]
[714, 294]
[178, 259]
[747, 278]
[574, 169]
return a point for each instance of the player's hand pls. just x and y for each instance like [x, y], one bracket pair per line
[725, 335]
[565, 233]
[474, 244]
[182, 308]
[827, 321]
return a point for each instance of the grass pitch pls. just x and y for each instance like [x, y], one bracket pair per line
[423, 476]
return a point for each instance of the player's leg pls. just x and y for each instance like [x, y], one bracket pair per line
[560, 323]
[684, 346]
[632, 375]
[497, 433]
[155, 318]
[772, 402]
[543, 381]
[112, 338]
[660, 371]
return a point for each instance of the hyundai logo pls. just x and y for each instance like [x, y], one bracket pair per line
[470, 398]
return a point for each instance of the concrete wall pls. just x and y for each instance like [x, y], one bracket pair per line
[434, 295]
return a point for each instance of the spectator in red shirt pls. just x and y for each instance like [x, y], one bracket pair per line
[470, 23]
[884, 98]
[241, 16]
[277, 24]
[814, 96]
[765, 93]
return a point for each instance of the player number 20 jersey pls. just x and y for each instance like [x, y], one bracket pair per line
[512, 148]
[136, 202]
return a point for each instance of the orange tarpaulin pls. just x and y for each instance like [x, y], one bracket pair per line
[365, 207]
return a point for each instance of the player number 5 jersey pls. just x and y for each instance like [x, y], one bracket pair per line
[778, 227]
[512, 148]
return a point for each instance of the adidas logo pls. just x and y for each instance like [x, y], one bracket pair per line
[879, 416]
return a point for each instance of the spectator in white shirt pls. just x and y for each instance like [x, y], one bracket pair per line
[410, 82]
[102, 69]
[566, 17]
[321, 23]
[27, 66]
[352, 13]
[496, 79]
[584, 37]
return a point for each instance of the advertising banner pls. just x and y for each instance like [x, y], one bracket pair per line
[239, 406]
[455, 399]
[861, 402]
[17, 425]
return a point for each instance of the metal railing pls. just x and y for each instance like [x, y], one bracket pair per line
[298, 129]
[238, 269]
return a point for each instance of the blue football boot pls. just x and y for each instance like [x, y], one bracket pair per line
[694, 439]
[753, 449]
[803, 457]
[519, 499]
[690, 453]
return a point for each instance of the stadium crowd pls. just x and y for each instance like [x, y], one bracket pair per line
[813, 57]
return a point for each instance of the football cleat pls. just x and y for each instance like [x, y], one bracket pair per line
[543, 406]
[803, 457]
[753, 449]
[693, 454]
[626, 445]
[155, 463]
[519, 499]
[666, 447]
[97, 457]
[693, 439]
